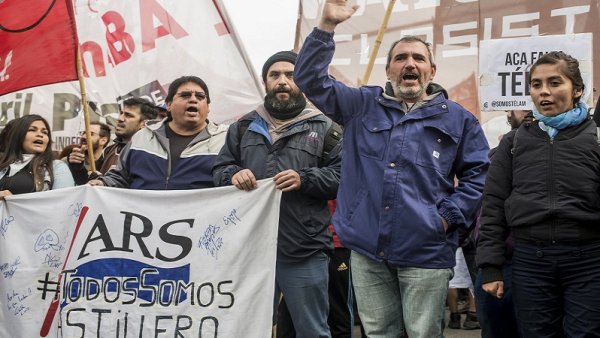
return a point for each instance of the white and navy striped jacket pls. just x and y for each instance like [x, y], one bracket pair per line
[145, 162]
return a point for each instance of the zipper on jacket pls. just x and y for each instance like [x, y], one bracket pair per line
[552, 193]
[168, 177]
[156, 135]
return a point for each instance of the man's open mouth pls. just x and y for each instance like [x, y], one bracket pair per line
[410, 76]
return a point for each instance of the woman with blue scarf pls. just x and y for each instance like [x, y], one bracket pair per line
[543, 185]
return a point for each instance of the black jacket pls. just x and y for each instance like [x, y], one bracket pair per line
[542, 190]
[304, 215]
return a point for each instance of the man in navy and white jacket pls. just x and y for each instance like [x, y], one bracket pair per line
[176, 153]
[413, 172]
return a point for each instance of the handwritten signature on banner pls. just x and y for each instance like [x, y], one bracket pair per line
[15, 302]
[4, 225]
[75, 209]
[210, 241]
[53, 261]
[8, 269]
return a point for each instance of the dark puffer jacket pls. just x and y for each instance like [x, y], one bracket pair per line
[546, 190]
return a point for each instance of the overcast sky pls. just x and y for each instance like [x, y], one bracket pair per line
[264, 26]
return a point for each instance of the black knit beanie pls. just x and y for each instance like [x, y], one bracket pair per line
[285, 55]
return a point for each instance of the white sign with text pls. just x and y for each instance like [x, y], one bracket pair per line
[504, 67]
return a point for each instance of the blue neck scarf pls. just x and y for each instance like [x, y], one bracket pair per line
[552, 124]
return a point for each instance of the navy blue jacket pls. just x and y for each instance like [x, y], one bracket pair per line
[398, 169]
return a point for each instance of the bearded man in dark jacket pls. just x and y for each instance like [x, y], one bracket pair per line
[284, 139]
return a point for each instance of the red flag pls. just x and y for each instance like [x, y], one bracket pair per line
[38, 43]
[465, 93]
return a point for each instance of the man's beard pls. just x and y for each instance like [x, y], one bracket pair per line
[295, 100]
[285, 109]
[95, 145]
[123, 133]
[409, 93]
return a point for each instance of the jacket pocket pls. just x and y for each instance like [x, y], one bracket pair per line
[373, 138]
[314, 216]
[355, 203]
[437, 149]
[311, 148]
[303, 153]
[251, 140]
[251, 147]
[438, 226]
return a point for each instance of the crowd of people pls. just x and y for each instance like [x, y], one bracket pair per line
[424, 208]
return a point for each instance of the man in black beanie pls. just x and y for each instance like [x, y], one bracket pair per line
[288, 140]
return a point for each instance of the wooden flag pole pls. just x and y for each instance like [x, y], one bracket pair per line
[86, 113]
[297, 40]
[375, 49]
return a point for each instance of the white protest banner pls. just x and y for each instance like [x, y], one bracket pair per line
[504, 67]
[456, 29]
[136, 263]
[137, 48]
